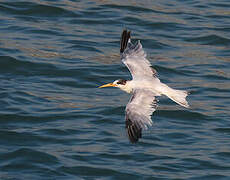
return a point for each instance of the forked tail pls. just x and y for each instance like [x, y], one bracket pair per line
[179, 96]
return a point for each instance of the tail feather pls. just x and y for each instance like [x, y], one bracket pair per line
[179, 96]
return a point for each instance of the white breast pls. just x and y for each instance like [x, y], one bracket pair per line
[152, 84]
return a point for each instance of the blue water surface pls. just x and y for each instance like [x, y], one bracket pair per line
[56, 124]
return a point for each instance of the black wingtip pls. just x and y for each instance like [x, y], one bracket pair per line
[134, 131]
[124, 40]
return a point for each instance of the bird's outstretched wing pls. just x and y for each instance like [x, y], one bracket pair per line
[138, 113]
[134, 57]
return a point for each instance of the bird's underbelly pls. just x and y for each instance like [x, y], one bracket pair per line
[155, 86]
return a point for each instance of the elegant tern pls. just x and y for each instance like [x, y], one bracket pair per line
[144, 87]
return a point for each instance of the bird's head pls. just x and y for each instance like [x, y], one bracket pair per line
[120, 83]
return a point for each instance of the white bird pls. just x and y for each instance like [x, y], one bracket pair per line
[144, 87]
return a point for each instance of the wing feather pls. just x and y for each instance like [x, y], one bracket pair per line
[138, 113]
[134, 57]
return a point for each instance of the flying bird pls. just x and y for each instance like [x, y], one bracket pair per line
[144, 87]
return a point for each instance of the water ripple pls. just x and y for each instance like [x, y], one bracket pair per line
[56, 124]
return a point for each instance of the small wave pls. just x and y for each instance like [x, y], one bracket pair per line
[223, 130]
[128, 8]
[34, 9]
[194, 117]
[28, 155]
[16, 66]
[13, 138]
[210, 40]
[96, 171]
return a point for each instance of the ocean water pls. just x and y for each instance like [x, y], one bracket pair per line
[56, 124]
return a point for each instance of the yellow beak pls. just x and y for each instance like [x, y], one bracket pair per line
[108, 85]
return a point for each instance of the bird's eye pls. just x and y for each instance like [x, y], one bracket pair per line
[121, 81]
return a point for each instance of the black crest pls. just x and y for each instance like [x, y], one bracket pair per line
[121, 81]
